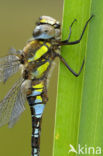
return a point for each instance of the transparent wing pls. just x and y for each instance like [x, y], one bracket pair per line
[12, 105]
[8, 66]
[18, 108]
[13, 51]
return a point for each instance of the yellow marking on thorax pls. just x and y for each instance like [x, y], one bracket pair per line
[43, 68]
[40, 52]
[48, 44]
[40, 70]
[41, 42]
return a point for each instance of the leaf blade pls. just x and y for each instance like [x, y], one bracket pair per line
[70, 88]
[92, 101]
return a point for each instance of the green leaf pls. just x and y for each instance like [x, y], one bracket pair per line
[79, 100]
[91, 122]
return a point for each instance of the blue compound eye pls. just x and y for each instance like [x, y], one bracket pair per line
[44, 31]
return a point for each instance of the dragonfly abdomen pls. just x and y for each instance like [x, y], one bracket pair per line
[37, 100]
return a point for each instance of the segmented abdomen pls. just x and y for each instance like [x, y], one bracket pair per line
[37, 100]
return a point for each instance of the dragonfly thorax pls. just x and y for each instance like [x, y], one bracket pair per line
[38, 58]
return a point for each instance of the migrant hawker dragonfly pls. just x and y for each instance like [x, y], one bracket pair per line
[35, 61]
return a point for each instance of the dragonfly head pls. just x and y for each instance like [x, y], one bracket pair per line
[47, 28]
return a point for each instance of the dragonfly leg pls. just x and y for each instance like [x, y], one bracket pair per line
[68, 67]
[70, 29]
[66, 42]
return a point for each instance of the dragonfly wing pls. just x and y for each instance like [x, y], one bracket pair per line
[12, 105]
[8, 66]
[18, 108]
[13, 51]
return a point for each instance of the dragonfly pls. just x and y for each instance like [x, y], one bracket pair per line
[35, 61]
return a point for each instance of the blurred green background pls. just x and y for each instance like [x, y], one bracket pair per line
[17, 20]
